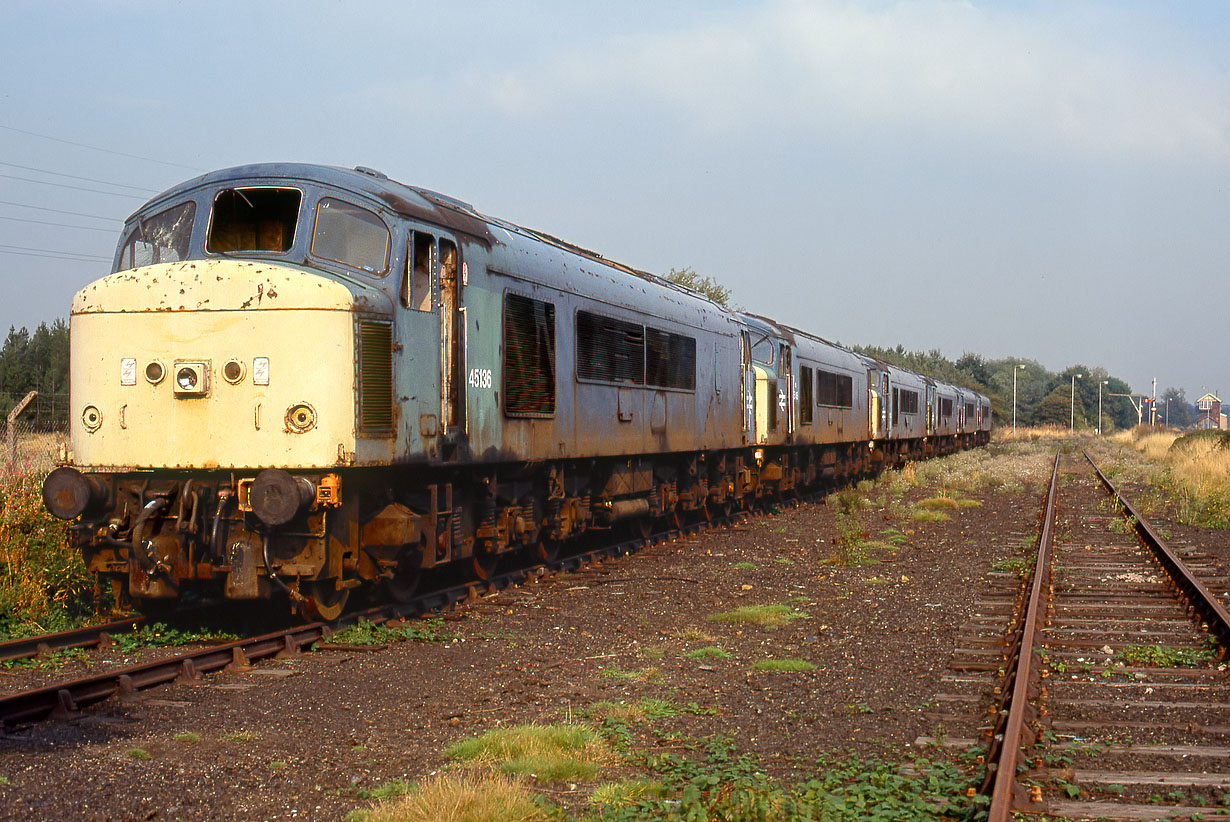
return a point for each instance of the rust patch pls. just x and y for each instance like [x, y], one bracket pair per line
[448, 216]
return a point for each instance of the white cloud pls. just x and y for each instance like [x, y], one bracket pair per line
[1093, 85]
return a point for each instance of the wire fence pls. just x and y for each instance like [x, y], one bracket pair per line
[33, 441]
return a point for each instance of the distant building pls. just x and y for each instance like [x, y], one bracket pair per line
[1208, 413]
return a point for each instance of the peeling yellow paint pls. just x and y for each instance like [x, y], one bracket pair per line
[211, 285]
[301, 322]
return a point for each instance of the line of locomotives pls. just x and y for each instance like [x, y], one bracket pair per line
[303, 383]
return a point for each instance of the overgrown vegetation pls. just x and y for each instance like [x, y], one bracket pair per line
[1194, 471]
[160, 635]
[1165, 656]
[695, 779]
[43, 585]
[850, 528]
[456, 797]
[365, 632]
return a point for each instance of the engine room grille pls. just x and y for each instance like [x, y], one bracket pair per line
[374, 376]
[529, 357]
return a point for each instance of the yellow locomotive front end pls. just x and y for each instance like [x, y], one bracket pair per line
[212, 364]
[226, 379]
[214, 409]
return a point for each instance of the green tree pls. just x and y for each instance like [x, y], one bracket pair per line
[37, 362]
[1174, 408]
[711, 288]
[1057, 406]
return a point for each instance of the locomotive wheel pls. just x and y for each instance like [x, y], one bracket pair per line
[406, 576]
[324, 601]
[546, 549]
[483, 564]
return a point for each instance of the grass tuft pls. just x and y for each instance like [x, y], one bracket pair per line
[625, 792]
[769, 616]
[783, 665]
[548, 753]
[459, 797]
[708, 652]
[924, 515]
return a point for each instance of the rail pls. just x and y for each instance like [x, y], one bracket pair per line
[1195, 595]
[1016, 712]
[89, 637]
[66, 698]
[1020, 681]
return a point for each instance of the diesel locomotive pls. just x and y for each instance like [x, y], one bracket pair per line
[303, 382]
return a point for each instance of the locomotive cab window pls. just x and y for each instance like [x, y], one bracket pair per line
[762, 350]
[253, 219]
[162, 238]
[351, 235]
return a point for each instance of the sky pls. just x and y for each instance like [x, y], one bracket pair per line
[1048, 181]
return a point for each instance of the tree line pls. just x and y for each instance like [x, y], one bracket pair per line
[35, 362]
[1042, 397]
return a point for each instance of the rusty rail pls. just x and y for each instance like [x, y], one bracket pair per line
[65, 698]
[1021, 681]
[89, 637]
[1194, 594]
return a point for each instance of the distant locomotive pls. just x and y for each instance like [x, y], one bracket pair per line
[301, 382]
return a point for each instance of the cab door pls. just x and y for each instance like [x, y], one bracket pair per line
[451, 272]
[430, 345]
[930, 417]
[786, 399]
[748, 385]
[875, 404]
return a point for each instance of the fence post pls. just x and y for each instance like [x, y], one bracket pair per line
[11, 427]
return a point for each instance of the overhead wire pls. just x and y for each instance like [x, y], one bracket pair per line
[58, 211]
[75, 188]
[26, 251]
[97, 148]
[57, 225]
[75, 177]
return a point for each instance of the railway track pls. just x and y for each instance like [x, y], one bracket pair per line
[92, 636]
[1114, 701]
[67, 698]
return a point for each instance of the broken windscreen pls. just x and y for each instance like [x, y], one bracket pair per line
[162, 238]
[253, 219]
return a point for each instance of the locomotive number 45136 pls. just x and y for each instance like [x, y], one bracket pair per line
[480, 377]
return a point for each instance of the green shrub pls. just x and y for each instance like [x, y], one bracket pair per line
[44, 585]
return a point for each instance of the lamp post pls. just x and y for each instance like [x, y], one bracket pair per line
[1100, 384]
[1167, 424]
[1019, 366]
[1072, 404]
